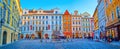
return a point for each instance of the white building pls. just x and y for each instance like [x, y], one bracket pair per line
[37, 20]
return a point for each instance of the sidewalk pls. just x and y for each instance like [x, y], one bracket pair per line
[115, 43]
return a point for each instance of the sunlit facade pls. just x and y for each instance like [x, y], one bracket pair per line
[112, 9]
[96, 26]
[86, 24]
[9, 21]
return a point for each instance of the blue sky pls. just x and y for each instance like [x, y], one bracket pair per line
[71, 5]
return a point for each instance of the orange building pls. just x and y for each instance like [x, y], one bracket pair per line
[67, 30]
[112, 8]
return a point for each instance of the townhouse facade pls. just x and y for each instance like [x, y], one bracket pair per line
[46, 21]
[112, 9]
[10, 11]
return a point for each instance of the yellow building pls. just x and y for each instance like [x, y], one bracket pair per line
[95, 15]
[112, 9]
[9, 22]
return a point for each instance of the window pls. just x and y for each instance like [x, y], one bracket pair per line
[28, 28]
[25, 12]
[106, 4]
[60, 17]
[79, 28]
[0, 12]
[24, 28]
[37, 22]
[73, 22]
[36, 28]
[79, 22]
[107, 19]
[52, 22]
[33, 17]
[33, 28]
[39, 28]
[9, 2]
[112, 15]
[56, 17]
[46, 22]
[46, 28]
[60, 28]
[36, 17]
[60, 22]
[76, 29]
[118, 12]
[73, 29]
[111, 1]
[56, 12]
[28, 17]
[56, 22]
[73, 18]
[43, 17]
[4, 11]
[28, 22]
[52, 17]
[46, 17]
[39, 17]
[43, 28]
[33, 22]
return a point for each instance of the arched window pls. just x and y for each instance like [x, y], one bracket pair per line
[118, 12]
[112, 15]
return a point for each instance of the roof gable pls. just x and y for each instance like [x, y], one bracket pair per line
[66, 12]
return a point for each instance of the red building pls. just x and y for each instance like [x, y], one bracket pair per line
[67, 30]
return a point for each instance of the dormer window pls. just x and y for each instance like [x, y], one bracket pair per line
[25, 12]
[56, 12]
[86, 16]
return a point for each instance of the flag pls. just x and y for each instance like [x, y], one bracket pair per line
[30, 27]
[48, 27]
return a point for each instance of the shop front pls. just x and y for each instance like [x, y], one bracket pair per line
[113, 31]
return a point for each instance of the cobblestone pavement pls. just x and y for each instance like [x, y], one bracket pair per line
[73, 44]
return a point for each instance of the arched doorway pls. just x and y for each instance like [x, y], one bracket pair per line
[46, 36]
[27, 36]
[21, 36]
[33, 36]
[77, 35]
[4, 37]
[11, 37]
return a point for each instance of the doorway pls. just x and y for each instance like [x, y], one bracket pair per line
[4, 37]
